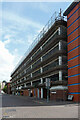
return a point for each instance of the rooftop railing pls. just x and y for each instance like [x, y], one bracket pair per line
[55, 17]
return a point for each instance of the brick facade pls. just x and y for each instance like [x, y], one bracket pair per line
[59, 95]
[73, 33]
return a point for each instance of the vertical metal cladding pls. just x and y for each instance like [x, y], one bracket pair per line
[73, 33]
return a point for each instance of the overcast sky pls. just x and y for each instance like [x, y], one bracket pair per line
[21, 23]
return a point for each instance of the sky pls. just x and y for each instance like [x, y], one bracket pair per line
[20, 23]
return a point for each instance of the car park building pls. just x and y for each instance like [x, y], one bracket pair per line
[47, 60]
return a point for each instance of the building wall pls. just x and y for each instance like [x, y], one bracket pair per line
[34, 92]
[26, 93]
[73, 32]
[9, 88]
[59, 95]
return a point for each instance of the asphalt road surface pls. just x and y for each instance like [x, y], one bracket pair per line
[27, 107]
[17, 101]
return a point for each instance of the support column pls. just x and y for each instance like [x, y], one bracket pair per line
[41, 47]
[38, 92]
[60, 71]
[31, 66]
[60, 45]
[41, 88]
[60, 62]
[59, 30]
[41, 70]
[31, 58]
[60, 75]
[31, 89]
[24, 85]
[41, 59]
[31, 83]
[31, 75]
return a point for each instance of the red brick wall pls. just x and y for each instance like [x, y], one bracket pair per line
[75, 8]
[73, 35]
[76, 97]
[74, 88]
[73, 73]
[36, 94]
[73, 80]
[59, 95]
[73, 26]
[73, 44]
[74, 62]
[73, 53]
[26, 93]
[73, 18]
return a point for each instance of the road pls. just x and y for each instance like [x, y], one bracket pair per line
[27, 107]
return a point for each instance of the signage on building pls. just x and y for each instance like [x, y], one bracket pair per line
[70, 97]
[53, 92]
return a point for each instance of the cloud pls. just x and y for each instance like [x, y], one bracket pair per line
[7, 39]
[7, 62]
[30, 39]
[43, 7]
[23, 22]
[19, 41]
[16, 27]
[16, 31]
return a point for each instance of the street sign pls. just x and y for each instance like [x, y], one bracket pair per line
[70, 97]
[47, 82]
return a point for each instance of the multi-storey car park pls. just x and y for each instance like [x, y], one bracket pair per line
[47, 59]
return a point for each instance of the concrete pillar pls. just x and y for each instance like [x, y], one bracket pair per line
[41, 92]
[31, 58]
[38, 92]
[31, 75]
[60, 71]
[59, 30]
[24, 85]
[60, 45]
[41, 70]
[41, 88]
[31, 83]
[60, 75]
[31, 66]
[41, 47]
[24, 71]
[60, 61]
[41, 59]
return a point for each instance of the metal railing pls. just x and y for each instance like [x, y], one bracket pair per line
[55, 17]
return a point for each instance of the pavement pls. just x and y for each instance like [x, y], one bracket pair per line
[30, 107]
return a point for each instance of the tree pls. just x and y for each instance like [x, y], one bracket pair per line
[5, 89]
